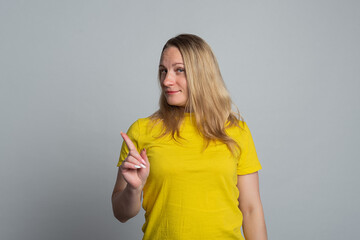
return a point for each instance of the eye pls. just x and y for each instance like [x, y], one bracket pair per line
[162, 70]
[180, 70]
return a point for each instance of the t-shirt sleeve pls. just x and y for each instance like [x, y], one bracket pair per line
[248, 161]
[133, 133]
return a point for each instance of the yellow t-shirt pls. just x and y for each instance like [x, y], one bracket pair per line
[191, 193]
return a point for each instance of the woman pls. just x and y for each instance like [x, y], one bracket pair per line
[193, 160]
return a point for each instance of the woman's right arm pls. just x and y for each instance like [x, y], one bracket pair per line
[126, 201]
[131, 178]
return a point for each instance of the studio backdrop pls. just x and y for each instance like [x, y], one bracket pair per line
[75, 73]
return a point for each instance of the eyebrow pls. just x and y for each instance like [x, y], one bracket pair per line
[171, 65]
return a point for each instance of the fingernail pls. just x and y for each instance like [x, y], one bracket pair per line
[142, 165]
[137, 166]
[143, 161]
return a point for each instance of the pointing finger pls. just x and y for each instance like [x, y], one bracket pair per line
[132, 149]
[128, 142]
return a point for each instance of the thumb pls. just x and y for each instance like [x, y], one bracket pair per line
[144, 156]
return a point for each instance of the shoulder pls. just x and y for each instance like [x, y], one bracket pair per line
[239, 127]
[142, 121]
[240, 132]
[144, 124]
[244, 127]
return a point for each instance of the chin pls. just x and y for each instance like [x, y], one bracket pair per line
[176, 104]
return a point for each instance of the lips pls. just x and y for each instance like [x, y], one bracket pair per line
[172, 92]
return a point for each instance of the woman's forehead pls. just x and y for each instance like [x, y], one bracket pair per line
[171, 54]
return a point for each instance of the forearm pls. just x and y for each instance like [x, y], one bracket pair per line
[126, 204]
[254, 227]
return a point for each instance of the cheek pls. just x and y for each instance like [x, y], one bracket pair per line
[184, 84]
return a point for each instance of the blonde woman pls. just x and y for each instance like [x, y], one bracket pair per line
[194, 160]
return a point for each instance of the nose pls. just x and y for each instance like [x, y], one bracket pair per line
[168, 80]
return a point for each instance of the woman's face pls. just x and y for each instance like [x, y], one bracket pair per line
[173, 77]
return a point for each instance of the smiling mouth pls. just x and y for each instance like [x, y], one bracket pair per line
[172, 92]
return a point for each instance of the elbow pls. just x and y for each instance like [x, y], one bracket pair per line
[247, 212]
[123, 212]
[120, 218]
[250, 209]
[123, 221]
[123, 216]
[116, 209]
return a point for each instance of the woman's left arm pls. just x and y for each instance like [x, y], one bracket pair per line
[254, 227]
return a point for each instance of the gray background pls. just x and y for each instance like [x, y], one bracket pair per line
[75, 73]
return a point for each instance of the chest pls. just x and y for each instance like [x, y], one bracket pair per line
[186, 159]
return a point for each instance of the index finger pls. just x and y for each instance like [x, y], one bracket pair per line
[128, 142]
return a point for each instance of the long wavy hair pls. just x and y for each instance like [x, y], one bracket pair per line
[209, 100]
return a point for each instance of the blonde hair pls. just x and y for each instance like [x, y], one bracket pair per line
[209, 100]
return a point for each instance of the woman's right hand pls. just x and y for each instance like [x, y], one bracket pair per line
[136, 167]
